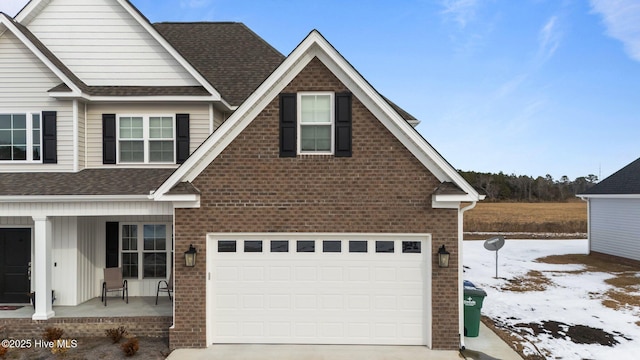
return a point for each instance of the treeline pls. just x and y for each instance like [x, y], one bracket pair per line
[503, 187]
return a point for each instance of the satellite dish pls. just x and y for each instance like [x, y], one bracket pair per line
[494, 244]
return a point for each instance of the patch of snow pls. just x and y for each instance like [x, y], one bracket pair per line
[571, 299]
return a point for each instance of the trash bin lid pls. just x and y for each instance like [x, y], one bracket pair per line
[474, 292]
[467, 283]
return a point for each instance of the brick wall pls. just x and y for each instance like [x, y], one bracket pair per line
[85, 327]
[248, 188]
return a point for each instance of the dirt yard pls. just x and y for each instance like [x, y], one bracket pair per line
[94, 348]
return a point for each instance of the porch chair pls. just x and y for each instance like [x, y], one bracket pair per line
[113, 282]
[168, 287]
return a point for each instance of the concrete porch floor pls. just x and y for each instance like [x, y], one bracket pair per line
[116, 307]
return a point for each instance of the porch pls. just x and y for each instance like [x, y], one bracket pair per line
[140, 317]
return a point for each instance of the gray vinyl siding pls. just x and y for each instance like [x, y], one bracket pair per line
[199, 123]
[104, 45]
[614, 227]
[24, 82]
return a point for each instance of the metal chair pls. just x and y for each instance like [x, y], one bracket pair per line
[113, 282]
[168, 287]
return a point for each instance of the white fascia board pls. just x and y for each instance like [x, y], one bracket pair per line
[175, 197]
[413, 123]
[26, 42]
[609, 196]
[165, 44]
[182, 201]
[172, 98]
[456, 198]
[27, 11]
[314, 45]
[71, 198]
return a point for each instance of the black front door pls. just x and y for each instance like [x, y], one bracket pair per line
[15, 255]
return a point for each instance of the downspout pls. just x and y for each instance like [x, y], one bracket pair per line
[461, 271]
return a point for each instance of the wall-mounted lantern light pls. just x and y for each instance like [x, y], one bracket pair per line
[443, 257]
[190, 256]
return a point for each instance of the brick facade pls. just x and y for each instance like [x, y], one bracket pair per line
[151, 326]
[249, 188]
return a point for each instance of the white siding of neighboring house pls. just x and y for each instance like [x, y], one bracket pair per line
[24, 82]
[104, 45]
[199, 123]
[614, 227]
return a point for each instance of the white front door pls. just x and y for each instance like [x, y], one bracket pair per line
[319, 289]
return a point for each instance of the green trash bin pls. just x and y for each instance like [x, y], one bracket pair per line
[472, 300]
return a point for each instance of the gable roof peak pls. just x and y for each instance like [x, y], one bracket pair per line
[316, 46]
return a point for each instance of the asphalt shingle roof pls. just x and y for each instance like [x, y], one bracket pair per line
[228, 54]
[624, 181]
[448, 188]
[114, 181]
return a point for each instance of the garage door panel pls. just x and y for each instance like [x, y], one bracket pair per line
[318, 298]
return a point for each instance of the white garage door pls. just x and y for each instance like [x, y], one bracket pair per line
[319, 289]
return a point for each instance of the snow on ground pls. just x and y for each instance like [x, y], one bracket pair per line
[569, 299]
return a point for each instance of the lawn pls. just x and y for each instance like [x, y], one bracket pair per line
[552, 301]
[542, 219]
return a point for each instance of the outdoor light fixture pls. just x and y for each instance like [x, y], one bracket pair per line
[443, 257]
[190, 256]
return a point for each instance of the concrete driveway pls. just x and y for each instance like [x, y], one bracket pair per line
[487, 346]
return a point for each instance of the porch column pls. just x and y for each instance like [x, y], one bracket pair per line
[41, 265]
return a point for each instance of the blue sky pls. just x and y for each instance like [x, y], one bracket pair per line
[530, 87]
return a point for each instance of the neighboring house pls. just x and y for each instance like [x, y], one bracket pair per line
[316, 209]
[614, 214]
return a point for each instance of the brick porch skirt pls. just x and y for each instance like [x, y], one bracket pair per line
[148, 326]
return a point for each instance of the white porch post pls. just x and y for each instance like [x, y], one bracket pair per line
[42, 265]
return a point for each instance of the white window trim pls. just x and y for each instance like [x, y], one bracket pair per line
[29, 115]
[299, 122]
[145, 137]
[140, 247]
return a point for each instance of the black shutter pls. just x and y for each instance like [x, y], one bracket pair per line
[288, 115]
[182, 138]
[49, 142]
[112, 233]
[108, 138]
[343, 125]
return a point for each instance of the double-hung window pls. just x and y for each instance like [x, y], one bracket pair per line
[145, 250]
[146, 139]
[20, 137]
[316, 125]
